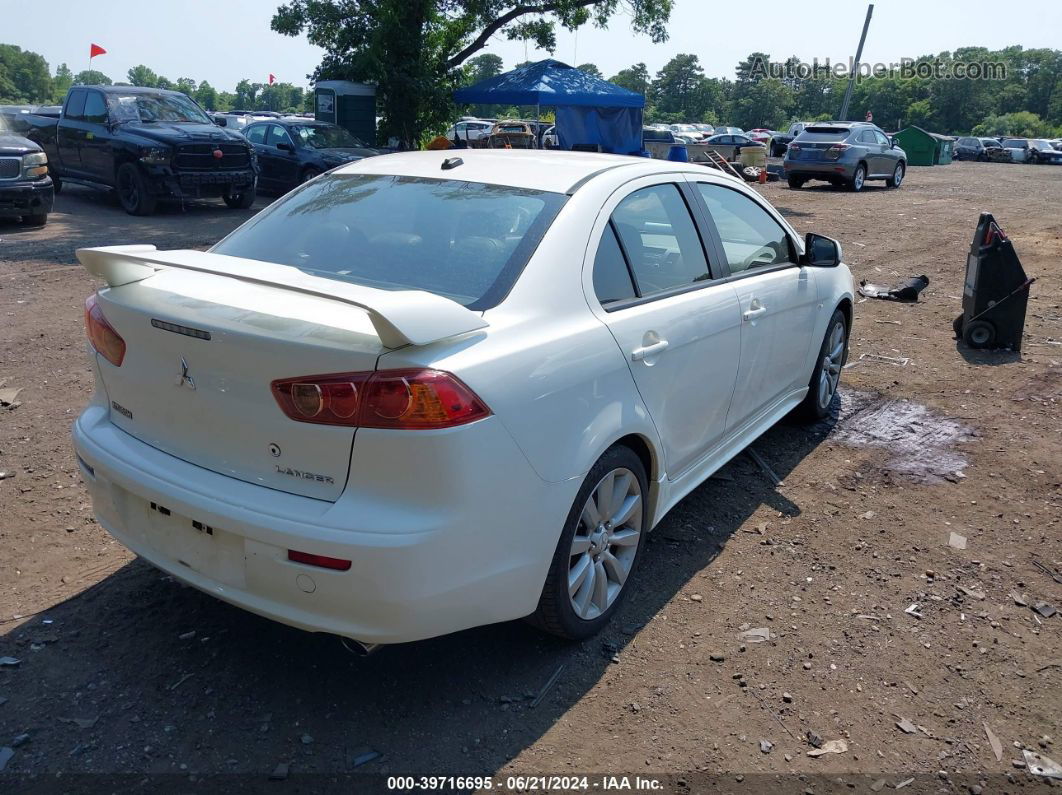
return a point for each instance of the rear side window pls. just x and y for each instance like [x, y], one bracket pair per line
[95, 108]
[75, 105]
[256, 135]
[612, 280]
[867, 137]
[462, 240]
[751, 238]
[660, 240]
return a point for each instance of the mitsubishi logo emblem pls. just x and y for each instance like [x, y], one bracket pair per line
[185, 379]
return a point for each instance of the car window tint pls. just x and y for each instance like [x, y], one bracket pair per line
[882, 139]
[95, 108]
[75, 105]
[660, 239]
[751, 237]
[256, 135]
[277, 135]
[612, 280]
[866, 137]
[467, 241]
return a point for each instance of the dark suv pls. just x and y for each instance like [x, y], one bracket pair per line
[976, 148]
[844, 153]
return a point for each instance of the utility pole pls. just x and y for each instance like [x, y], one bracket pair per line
[855, 66]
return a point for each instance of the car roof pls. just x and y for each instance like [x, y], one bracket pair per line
[119, 89]
[533, 169]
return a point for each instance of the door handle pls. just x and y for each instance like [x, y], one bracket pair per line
[638, 354]
[752, 314]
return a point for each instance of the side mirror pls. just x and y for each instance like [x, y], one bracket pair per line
[892, 142]
[821, 251]
[285, 147]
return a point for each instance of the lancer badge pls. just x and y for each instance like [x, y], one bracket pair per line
[185, 378]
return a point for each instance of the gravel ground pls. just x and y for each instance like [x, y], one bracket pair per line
[125, 671]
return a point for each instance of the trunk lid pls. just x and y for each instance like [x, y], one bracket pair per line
[208, 401]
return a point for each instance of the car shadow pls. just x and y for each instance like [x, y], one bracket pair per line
[172, 671]
[991, 358]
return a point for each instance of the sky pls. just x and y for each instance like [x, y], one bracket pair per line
[224, 41]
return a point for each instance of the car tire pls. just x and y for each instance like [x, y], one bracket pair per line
[859, 178]
[897, 175]
[37, 219]
[134, 193]
[796, 183]
[979, 334]
[982, 157]
[240, 201]
[599, 553]
[826, 376]
[309, 173]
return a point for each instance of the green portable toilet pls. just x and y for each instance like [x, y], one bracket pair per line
[350, 105]
[924, 148]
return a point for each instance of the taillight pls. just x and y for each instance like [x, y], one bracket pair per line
[323, 561]
[835, 151]
[107, 342]
[794, 147]
[399, 399]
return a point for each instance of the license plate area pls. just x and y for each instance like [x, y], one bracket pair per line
[211, 552]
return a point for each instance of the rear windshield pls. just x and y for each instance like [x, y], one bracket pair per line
[463, 240]
[824, 134]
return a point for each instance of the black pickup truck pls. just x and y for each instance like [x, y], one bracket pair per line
[25, 189]
[147, 144]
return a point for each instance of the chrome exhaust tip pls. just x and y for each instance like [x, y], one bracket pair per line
[358, 648]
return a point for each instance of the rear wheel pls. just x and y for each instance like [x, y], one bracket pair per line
[134, 193]
[240, 201]
[309, 174]
[826, 377]
[859, 178]
[897, 176]
[598, 548]
[796, 183]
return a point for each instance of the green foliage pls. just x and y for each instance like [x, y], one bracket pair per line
[91, 77]
[413, 50]
[24, 76]
[590, 69]
[635, 78]
[61, 83]
[142, 76]
[1021, 124]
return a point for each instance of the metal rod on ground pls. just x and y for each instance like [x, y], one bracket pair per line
[777, 481]
[547, 687]
[855, 66]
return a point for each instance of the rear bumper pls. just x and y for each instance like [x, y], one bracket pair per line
[431, 554]
[819, 169]
[26, 198]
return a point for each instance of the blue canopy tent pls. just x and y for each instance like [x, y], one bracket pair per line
[590, 111]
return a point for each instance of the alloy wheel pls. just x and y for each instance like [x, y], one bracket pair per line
[128, 191]
[857, 180]
[897, 175]
[605, 543]
[832, 361]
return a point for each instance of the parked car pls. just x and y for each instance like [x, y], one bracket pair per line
[658, 135]
[26, 190]
[971, 148]
[707, 129]
[469, 130]
[147, 144]
[332, 417]
[292, 151]
[1018, 147]
[1041, 151]
[728, 130]
[730, 146]
[844, 153]
[512, 134]
[550, 140]
[689, 131]
[761, 135]
[781, 142]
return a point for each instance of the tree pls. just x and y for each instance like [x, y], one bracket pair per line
[142, 76]
[634, 78]
[61, 83]
[246, 92]
[413, 49]
[1020, 125]
[207, 96]
[24, 76]
[590, 69]
[681, 90]
[483, 67]
[185, 85]
[90, 77]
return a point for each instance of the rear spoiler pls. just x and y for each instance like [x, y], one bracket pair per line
[400, 317]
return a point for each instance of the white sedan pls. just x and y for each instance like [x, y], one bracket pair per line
[424, 392]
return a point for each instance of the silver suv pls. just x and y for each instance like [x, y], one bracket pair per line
[844, 153]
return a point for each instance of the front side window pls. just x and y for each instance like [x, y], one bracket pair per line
[660, 240]
[75, 106]
[322, 136]
[462, 240]
[277, 135]
[882, 138]
[751, 237]
[95, 108]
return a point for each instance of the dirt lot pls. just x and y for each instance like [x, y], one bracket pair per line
[123, 670]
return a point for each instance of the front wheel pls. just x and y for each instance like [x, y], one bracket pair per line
[598, 548]
[37, 219]
[859, 178]
[134, 193]
[826, 377]
[240, 201]
[897, 176]
[310, 173]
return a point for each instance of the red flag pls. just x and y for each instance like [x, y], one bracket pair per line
[94, 50]
[272, 78]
